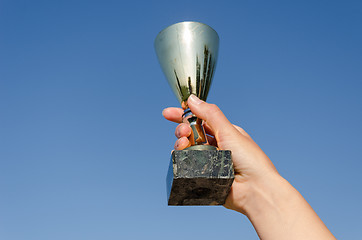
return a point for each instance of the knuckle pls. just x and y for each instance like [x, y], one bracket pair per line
[182, 129]
[177, 131]
[214, 109]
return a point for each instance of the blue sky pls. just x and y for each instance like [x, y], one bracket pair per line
[84, 149]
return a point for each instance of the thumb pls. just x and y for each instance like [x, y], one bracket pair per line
[212, 115]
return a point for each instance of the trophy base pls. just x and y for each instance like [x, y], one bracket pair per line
[199, 177]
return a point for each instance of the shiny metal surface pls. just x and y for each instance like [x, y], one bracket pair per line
[197, 136]
[187, 53]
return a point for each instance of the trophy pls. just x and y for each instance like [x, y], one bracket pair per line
[200, 174]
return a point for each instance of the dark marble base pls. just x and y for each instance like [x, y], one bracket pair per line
[199, 177]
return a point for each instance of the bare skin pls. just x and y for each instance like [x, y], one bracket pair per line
[274, 207]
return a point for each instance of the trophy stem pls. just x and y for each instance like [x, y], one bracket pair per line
[198, 136]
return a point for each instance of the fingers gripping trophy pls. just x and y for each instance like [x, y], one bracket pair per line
[200, 174]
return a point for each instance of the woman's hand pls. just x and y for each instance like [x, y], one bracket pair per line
[274, 207]
[250, 162]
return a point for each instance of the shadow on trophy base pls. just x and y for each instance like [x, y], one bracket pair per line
[199, 177]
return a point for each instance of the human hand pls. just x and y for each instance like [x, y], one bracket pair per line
[274, 207]
[250, 162]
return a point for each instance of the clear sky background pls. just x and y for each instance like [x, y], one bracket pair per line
[84, 149]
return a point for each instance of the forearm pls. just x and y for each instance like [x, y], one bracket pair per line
[278, 211]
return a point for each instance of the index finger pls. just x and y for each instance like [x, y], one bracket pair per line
[173, 114]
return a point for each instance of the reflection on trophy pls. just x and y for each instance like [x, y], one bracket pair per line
[199, 174]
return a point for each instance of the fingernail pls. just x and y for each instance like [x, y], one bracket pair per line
[195, 100]
[163, 111]
[176, 144]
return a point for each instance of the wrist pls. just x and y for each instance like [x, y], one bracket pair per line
[278, 211]
[250, 196]
[270, 204]
[268, 195]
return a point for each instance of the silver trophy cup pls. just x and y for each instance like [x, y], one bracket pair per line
[200, 174]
